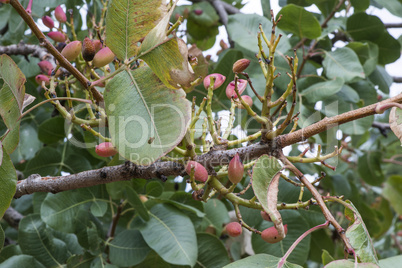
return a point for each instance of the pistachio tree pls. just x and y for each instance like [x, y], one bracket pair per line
[123, 144]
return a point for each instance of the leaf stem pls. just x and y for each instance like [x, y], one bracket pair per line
[298, 240]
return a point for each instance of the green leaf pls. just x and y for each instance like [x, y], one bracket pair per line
[343, 63]
[154, 260]
[8, 181]
[367, 53]
[369, 167]
[216, 214]
[297, 225]
[322, 90]
[154, 188]
[360, 5]
[52, 130]
[156, 125]
[326, 257]
[299, 21]
[243, 29]
[260, 261]
[157, 35]
[389, 48]
[211, 252]
[362, 26]
[60, 210]
[391, 262]
[169, 61]
[381, 78]
[393, 192]
[266, 187]
[208, 18]
[9, 251]
[128, 21]
[349, 264]
[393, 6]
[22, 261]
[128, 248]
[182, 207]
[29, 144]
[137, 204]
[266, 8]
[49, 251]
[165, 234]
[46, 162]
[2, 238]
[12, 93]
[359, 238]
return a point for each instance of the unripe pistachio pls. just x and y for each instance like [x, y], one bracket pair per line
[105, 149]
[60, 14]
[265, 216]
[198, 12]
[271, 235]
[219, 80]
[240, 65]
[40, 77]
[97, 45]
[200, 173]
[57, 36]
[247, 99]
[72, 50]
[88, 49]
[46, 67]
[233, 229]
[230, 89]
[235, 169]
[48, 22]
[103, 57]
[143, 198]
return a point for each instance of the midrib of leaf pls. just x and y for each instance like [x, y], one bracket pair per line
[172, 234]
[127, 21]
[337, 63]
[300, 19]
[44, 246]
[146, 105]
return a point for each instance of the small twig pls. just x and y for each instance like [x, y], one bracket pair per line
[298, 240]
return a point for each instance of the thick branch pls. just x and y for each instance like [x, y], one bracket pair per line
[46, 43]
[393, 25]
[12, 217]
[128, 171]
[330, 122]
[25, 50]
[397, 79]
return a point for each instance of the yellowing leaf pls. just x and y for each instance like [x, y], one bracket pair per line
[128, 21]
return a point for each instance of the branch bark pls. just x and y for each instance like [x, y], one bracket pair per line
[330, 122]
[25, 50]
[397, 79]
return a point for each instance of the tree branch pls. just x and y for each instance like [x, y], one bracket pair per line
[128, 171]
[330, 122]
[393, 25]
[397, 79]
[12, 217]
[25, 50]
